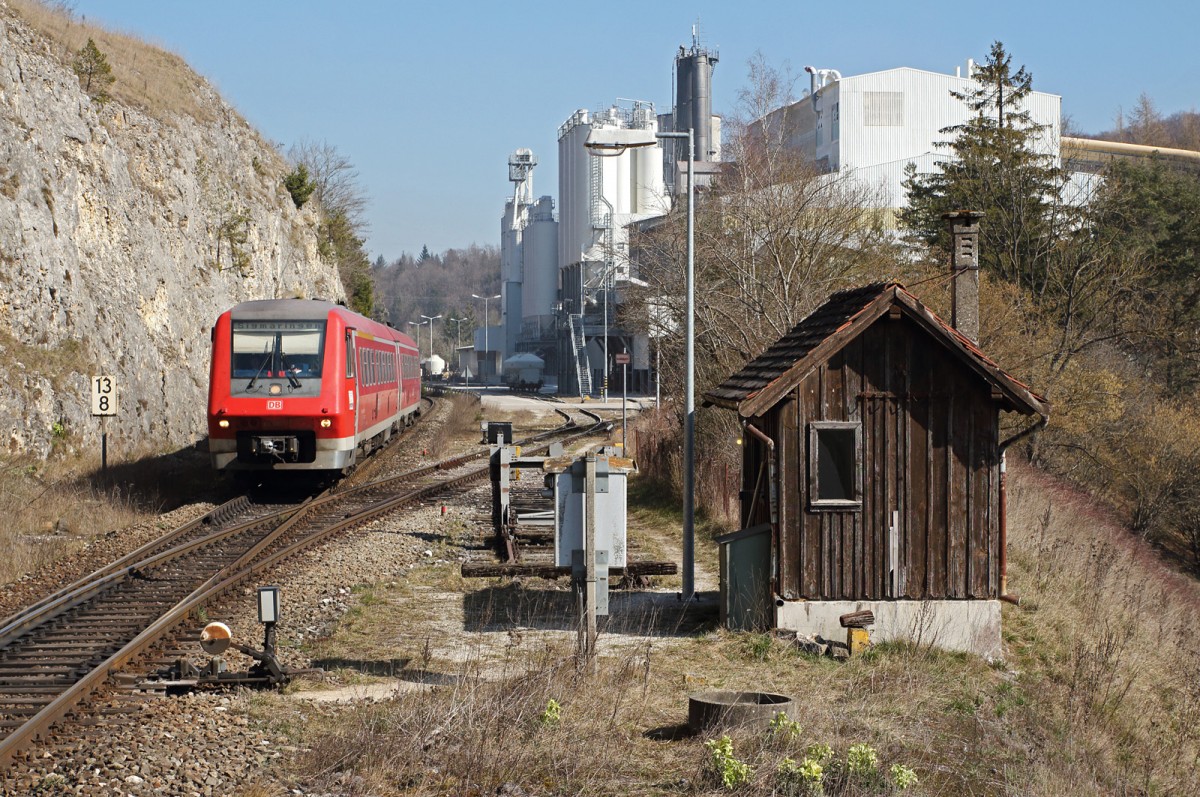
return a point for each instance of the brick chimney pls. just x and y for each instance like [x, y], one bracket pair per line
[964, 265]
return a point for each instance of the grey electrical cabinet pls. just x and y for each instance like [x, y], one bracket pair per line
[568, 478]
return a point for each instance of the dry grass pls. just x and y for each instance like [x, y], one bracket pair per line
[1112, 629]
[1100, 693]
[147, 77]
[462, 423]
[46, 518]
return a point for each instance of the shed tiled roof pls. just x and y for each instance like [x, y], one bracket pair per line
[763, 380]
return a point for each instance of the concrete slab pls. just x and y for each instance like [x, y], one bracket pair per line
[970, 626]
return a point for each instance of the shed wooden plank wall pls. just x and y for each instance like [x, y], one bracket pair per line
[929, 436]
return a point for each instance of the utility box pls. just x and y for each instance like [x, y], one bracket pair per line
[567, 478]
[495, 432]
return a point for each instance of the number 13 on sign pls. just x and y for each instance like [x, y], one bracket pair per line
[104, 395]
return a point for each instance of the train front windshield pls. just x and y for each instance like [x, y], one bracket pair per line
[277, 357]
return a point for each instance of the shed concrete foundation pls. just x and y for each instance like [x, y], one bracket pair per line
[971, 626]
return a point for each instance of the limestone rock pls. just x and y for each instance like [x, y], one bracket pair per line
[112, 253]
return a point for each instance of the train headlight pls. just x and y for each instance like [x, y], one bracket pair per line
[326, 423]
[223, 423]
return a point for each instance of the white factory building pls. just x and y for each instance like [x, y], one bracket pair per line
[561, 301]
[600, 197]
[874, 125]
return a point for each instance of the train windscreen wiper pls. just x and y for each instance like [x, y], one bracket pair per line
[287, 369]
[258, 373]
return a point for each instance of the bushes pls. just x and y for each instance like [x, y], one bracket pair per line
[818, 771]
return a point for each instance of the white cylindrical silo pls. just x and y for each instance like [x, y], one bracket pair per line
[540, 289]
[510, 246]
[617, 188]
[573, 189]
[651, 191]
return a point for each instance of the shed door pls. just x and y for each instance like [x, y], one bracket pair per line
[884, 489]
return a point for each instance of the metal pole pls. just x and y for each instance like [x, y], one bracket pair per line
[589, 553]
[604, 388]
[689, 427]
[657, 374]
[482, 381]
[624, 393]
[689, 423]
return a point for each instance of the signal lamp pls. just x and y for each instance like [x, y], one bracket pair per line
[223, 423]
[268, 604]
[326, 423]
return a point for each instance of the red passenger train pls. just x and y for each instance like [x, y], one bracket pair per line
[302, 384]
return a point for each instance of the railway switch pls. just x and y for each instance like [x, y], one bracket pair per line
[217, 638]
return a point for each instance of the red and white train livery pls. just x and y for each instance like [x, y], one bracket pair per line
[302, 384]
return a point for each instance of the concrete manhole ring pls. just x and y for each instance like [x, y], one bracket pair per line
[736, 709]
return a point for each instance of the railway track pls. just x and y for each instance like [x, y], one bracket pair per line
[61, 649]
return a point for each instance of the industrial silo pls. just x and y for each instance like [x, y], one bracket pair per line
[540, 288]
[693, 96]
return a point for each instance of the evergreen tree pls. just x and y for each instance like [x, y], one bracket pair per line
[995, 167]
[299, 185]
[1150, 211]
[95, 74]
[425, 254]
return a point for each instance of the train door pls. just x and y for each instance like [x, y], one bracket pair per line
[352, 385]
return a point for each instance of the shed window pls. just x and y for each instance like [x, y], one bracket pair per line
[835, 465]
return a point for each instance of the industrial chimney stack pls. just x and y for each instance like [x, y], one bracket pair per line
[693, 96]
[964, 265]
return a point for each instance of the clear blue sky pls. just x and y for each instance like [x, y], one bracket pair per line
[428, 99]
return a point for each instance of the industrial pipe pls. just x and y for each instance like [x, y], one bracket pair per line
[773, 498]
[1015, 600]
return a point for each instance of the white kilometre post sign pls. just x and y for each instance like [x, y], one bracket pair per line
[104, 403]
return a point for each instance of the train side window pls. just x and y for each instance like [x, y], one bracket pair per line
[349, 356]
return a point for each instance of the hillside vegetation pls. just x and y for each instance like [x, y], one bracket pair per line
[147, 77]
[1089, 290]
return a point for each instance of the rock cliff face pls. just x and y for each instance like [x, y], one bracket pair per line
[122, 236]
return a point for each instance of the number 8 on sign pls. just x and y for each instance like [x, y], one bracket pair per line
[104, 395]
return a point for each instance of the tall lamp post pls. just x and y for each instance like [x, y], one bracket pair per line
[458, 338]
[418, 325]
[614, 141]
[485, 299]
[431, 319]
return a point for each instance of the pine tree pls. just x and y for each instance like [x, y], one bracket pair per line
[299, 185]
[995, 167]
[95, 74]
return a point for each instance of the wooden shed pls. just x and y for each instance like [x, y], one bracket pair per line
[873, 454]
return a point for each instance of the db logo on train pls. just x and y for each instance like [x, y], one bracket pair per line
[275, 404]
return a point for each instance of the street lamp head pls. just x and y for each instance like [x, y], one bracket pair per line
[477, 296]
[615, 140]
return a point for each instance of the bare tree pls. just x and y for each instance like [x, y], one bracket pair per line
[774, 237]
[336, 182]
